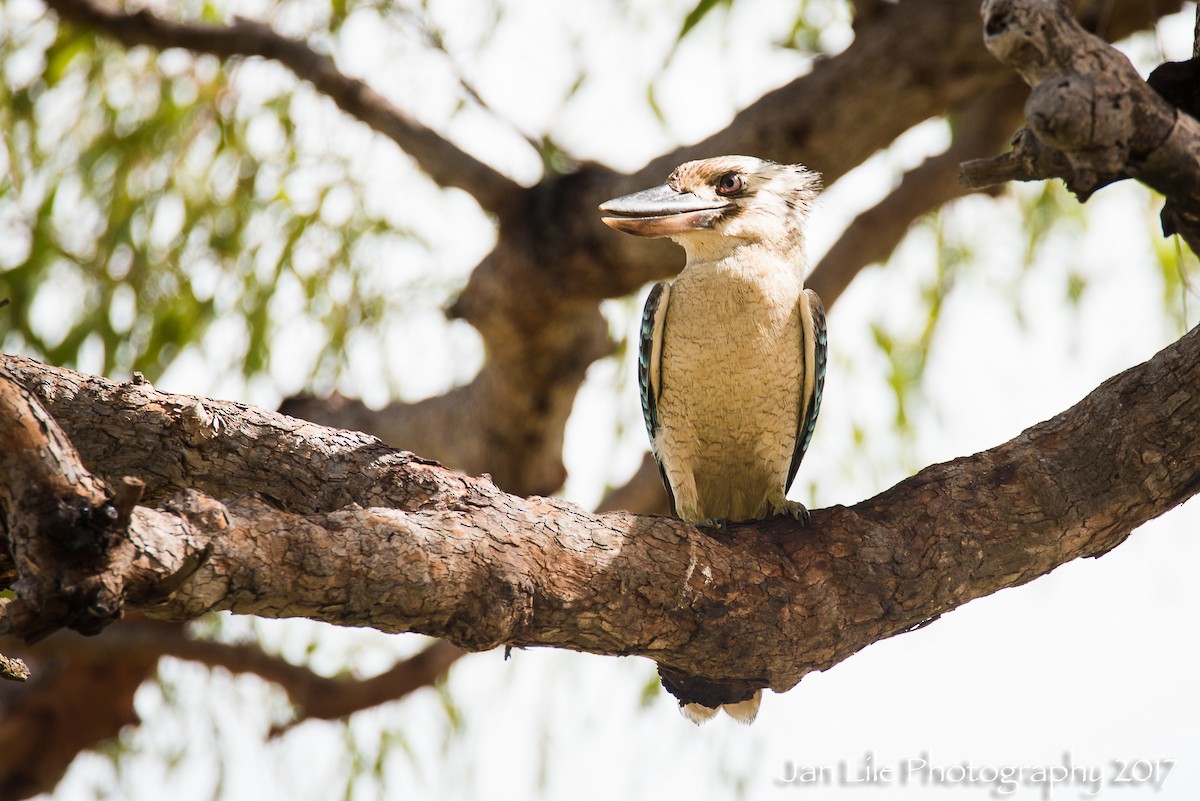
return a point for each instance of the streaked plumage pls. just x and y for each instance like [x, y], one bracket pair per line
[731, 362]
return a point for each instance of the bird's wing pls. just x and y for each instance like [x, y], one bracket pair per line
[814, 344]
[650, 345]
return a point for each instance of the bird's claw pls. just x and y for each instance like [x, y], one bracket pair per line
[713, 522]
[796, 510]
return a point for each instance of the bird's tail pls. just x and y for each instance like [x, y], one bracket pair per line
[743, 711]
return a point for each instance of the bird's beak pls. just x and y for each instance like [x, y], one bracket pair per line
[661, 211]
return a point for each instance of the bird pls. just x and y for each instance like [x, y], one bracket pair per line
[732, 355]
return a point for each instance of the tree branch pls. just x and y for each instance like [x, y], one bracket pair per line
[228, 447]
[83, 691]
[313, 695]
[1092, 119]
[69, 706]
[763, 603]
[874, 234]
[444, 162]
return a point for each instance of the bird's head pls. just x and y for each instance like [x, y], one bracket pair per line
[730, 198]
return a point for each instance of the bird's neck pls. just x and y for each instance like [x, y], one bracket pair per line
[745, 259]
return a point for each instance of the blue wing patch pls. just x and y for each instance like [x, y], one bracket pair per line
[649, 378]
[814, 345]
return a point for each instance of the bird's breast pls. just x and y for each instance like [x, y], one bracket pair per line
[730, 399]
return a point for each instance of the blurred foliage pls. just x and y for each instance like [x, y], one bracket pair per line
[1053, 211]
[907, 351]
[145, 198]
[699, 12]
[811, 17]
[1175, 260]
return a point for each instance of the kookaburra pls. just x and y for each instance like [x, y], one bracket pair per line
[731, 362]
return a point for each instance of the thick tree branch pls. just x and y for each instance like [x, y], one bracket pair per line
[114, 424]
[444, 162]
[763, 603]
[1092, 119]
[227, 448]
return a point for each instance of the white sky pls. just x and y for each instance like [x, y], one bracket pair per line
[1097, 660]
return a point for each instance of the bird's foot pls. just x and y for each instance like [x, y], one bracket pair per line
[712, 522]
[794, 509]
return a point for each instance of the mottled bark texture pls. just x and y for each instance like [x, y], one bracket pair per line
[1092, 120]
[764, 604]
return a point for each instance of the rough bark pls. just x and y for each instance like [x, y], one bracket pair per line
[221, 448]
[762, 604]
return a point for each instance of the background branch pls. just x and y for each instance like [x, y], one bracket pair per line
[982, 126]
[313, 695]
[443, 161]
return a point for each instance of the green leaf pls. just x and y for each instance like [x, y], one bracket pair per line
[698, 13]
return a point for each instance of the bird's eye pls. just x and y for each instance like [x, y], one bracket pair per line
[730, 184]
